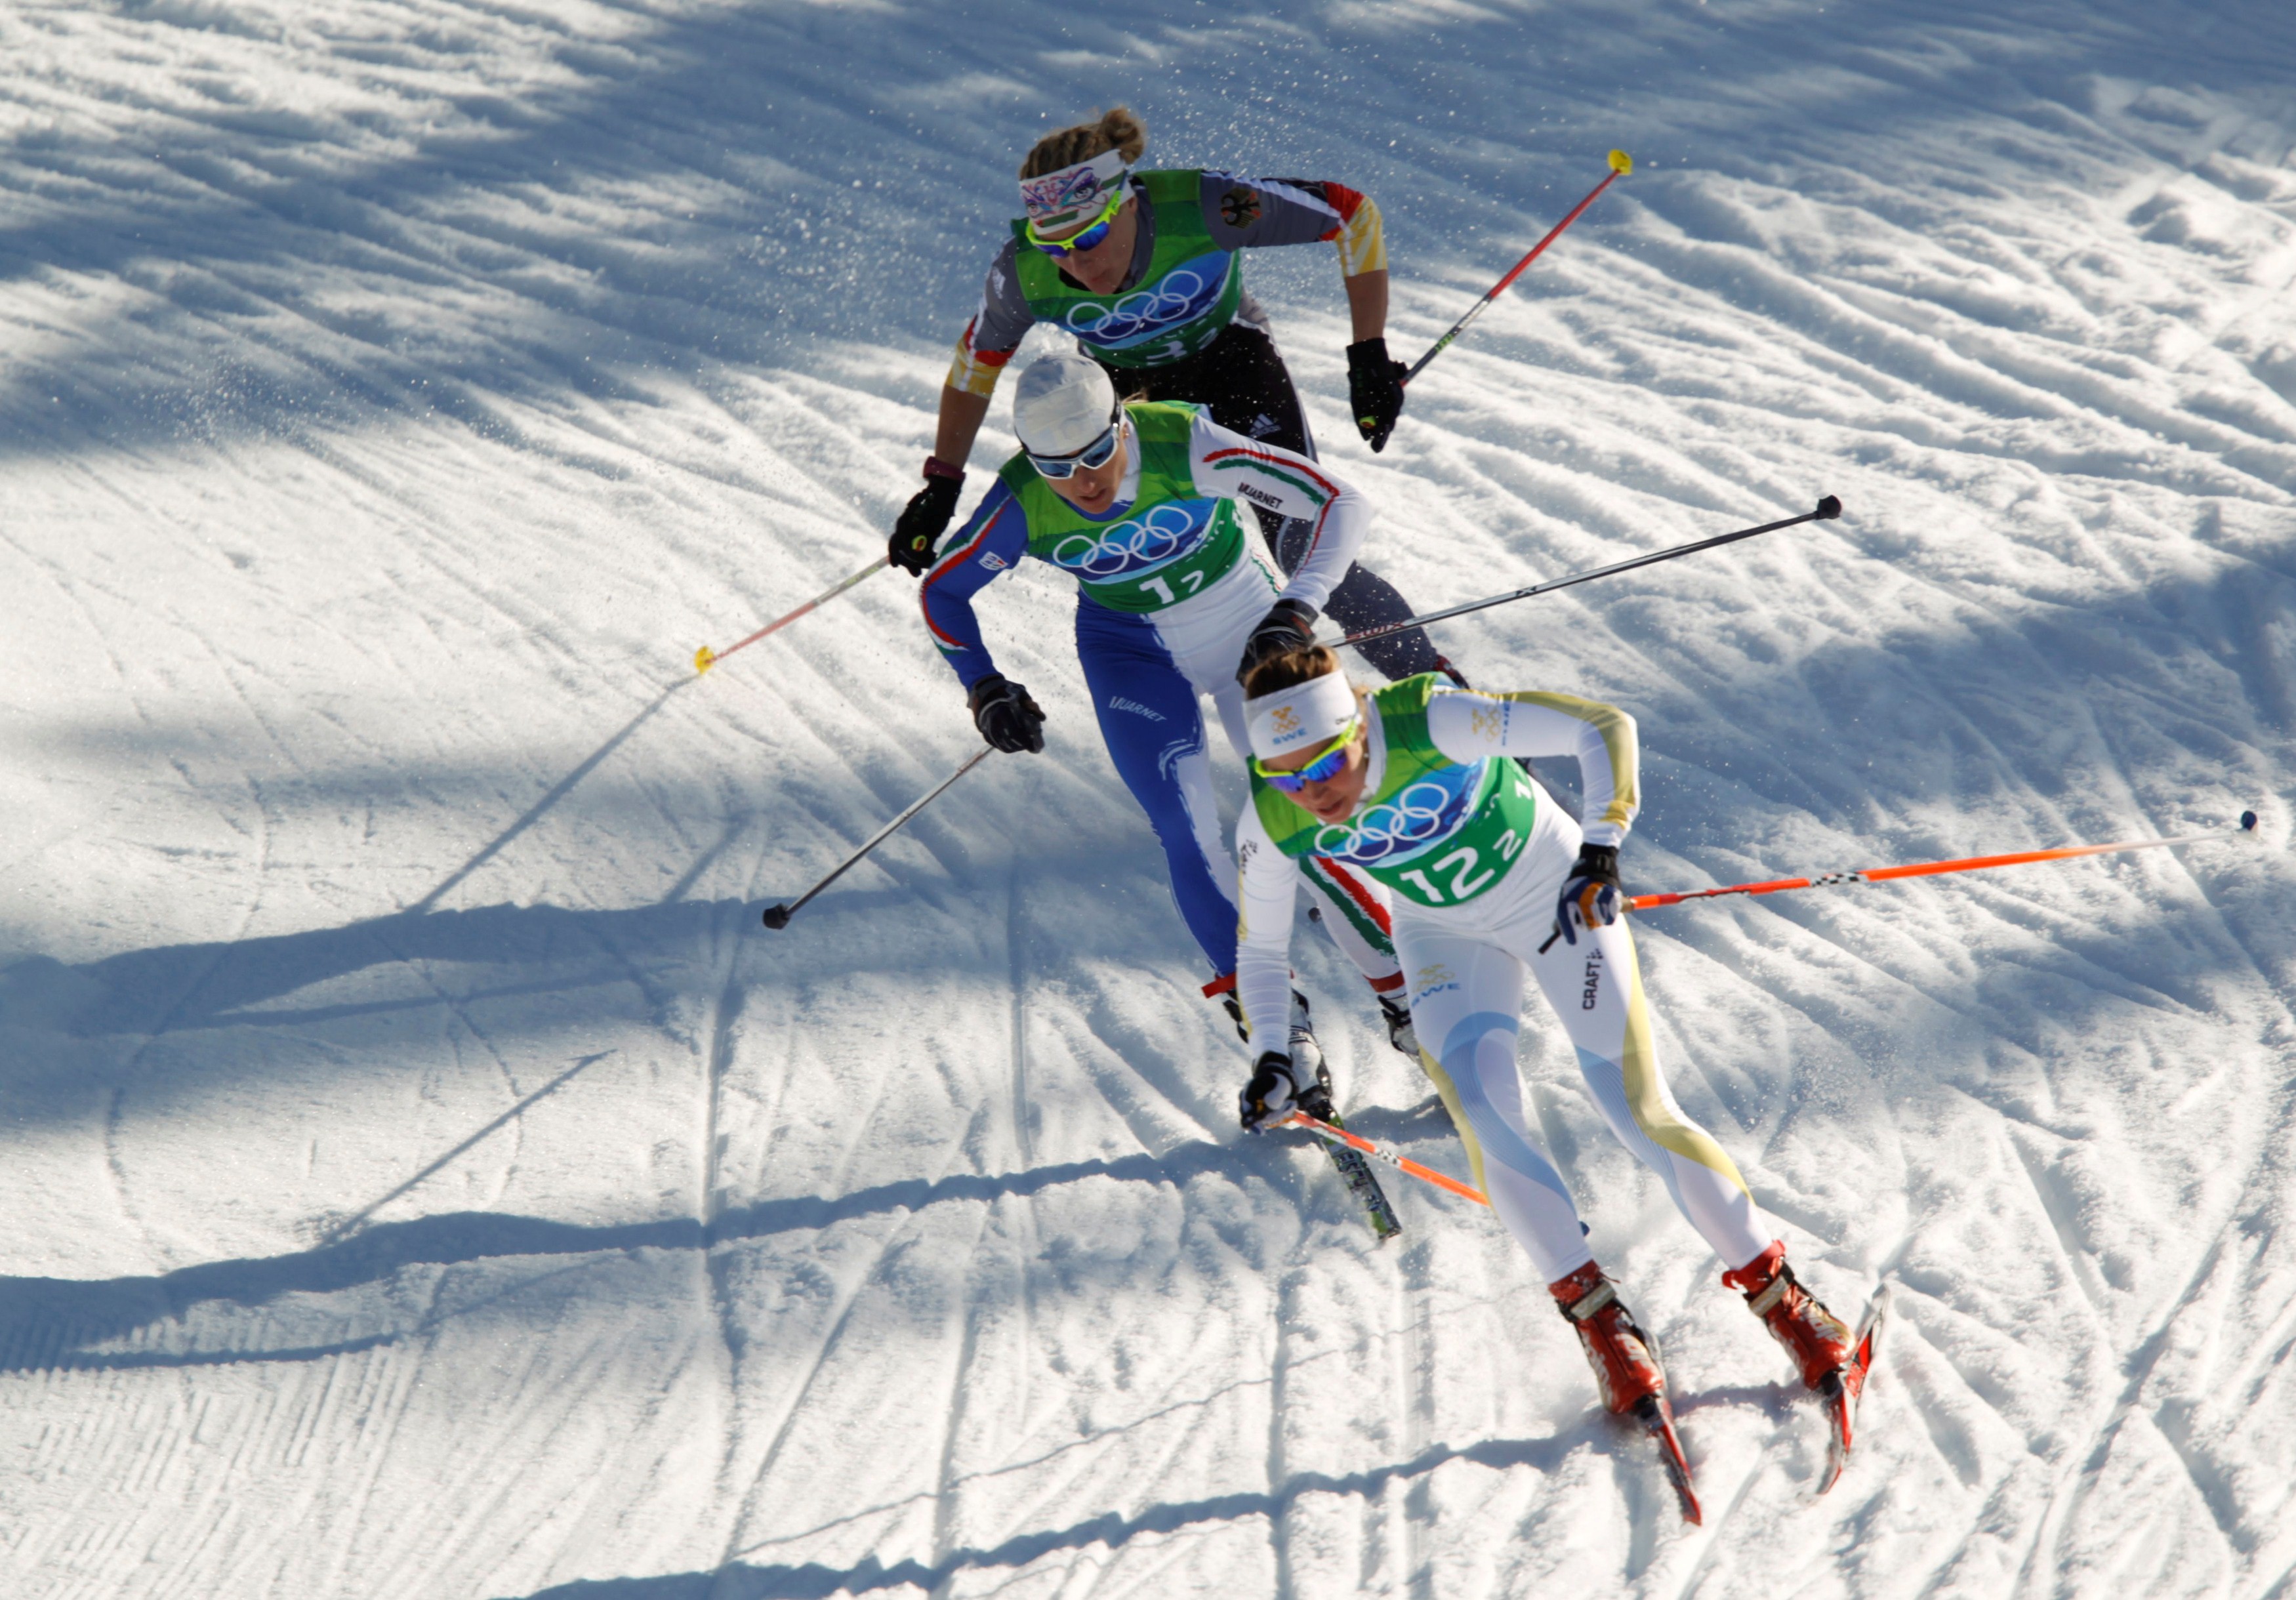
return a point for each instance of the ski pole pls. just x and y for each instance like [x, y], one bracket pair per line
[778, 916]
[1621, 163]
[1341, 1135]
[706, 657]
[1827, 509]
[1930, 869]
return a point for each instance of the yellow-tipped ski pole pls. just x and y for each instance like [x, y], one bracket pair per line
[706, 657]
[1341, 1135]
[1621, 163]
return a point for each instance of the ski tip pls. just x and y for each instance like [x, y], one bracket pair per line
[777, 916]
[1828, 508]
[1622, 162]
[2247, 822]
[704, 659]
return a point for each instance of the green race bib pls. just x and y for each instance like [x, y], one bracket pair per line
[1171, 543]
[1436, 832]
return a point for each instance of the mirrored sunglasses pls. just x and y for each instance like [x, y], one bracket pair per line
[1329, 763]
[1092, 456]
[1059, 249]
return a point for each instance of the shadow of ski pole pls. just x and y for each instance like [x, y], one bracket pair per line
[541, 808]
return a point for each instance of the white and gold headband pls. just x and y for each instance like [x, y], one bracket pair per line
[1304, 717]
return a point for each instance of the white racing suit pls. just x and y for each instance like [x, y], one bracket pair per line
[1466, 960]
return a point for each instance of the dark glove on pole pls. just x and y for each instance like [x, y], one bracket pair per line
[1590, 895]
[1375, 390]
[922, 521]
[1288, 625]
[1270, 1093]
[1006, 715]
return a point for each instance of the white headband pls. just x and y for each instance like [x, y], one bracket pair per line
[1058, 200]
[1304, 717]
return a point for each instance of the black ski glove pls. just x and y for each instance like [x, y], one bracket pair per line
[1006, 715]
[1288, 625]
[921, 523]
[1590, 895]
[1375, 390]
[1269, 1094]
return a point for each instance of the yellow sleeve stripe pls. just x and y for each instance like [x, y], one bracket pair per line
[1362, 242]
[976, 372]
[1618, 743]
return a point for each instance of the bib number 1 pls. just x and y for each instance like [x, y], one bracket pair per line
[1190, 580]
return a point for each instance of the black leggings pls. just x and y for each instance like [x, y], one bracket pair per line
[1242, 381]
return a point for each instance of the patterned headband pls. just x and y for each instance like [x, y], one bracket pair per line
[1059, 199]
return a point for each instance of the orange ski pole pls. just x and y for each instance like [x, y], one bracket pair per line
[1341, 1135]
[706, 657]
[1930, 869]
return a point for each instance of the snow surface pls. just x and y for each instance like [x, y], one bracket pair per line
[423, 1176]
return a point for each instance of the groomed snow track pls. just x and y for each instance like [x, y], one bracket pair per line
[420, 1175]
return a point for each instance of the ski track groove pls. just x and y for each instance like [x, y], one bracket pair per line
[945, 1480]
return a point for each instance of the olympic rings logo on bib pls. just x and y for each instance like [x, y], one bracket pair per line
[1166, 531]
[1178, 296]
[1420, 814]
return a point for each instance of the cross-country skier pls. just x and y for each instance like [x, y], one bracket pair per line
[1492, 881]
[1138, 502]
[1146, 269]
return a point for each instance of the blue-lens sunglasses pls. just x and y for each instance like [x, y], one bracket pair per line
[1059, 249]
[1328, 763]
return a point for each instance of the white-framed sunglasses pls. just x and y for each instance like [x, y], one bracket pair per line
[1093, 456]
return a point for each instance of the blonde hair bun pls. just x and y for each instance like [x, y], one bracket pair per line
[1116, 128]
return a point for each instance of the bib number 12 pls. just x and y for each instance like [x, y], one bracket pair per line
[1462, 886]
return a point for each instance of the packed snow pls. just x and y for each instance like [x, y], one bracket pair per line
[423, 1176]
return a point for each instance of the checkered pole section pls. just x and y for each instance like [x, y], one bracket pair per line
[1932, 869]
[1402, 1163]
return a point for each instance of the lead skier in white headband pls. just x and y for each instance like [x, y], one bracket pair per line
[1417, 787]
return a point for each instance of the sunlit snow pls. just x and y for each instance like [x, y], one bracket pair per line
[421, 1176]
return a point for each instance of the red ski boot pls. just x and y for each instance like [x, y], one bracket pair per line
[1626, 1369]
[1628, 1372]
[1816, 1341]
[1831, 1361]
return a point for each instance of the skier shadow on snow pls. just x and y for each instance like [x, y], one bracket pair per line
[50, 1323]
[739, 1581]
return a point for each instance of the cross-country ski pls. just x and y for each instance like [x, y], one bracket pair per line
[1843, 1390]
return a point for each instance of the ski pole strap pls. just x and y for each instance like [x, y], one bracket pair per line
[1341, 1135]
[1828, 508]
[1932, 869]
